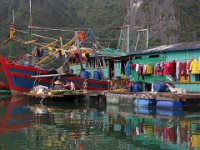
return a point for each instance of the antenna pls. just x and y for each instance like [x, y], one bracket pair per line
[13, 16]
[30, 13]
[30, 32]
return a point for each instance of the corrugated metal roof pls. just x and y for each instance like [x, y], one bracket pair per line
[173, 47]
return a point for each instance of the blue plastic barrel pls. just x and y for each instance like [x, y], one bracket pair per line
[144, 103]
[145, 111]
[96, 75]
[169, 104]
[159, 86]
[137, 87]
[167, 112]
[84, 74]
[135, 102]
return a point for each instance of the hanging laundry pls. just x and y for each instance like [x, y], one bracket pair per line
[182, 70]
[168, 68]
[147, 70]
[137, 67]
[188, 66]
[194, 67]
[177, 70]
[140, 72]
[158, 70]
[127, 70]
[174, 70]
[132, 66]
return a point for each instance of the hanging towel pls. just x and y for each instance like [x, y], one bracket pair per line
[127, 70]
[194, 67]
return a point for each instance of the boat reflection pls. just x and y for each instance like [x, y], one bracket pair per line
[15, 115]
[80, 127]
[88, 127]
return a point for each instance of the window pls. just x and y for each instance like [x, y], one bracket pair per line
[197, 77]
[153, 56]
[138, 57]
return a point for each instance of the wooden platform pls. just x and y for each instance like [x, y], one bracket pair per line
[54, 96]
[157, 96]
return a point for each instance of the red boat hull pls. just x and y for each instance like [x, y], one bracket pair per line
[19, 78]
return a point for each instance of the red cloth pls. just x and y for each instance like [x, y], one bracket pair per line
[132, 66]
[168, 68]
[182, 70]
[188, 66]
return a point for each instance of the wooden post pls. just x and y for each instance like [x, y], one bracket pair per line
[30, 33]
[119, 41]
[147, 38]
[128, 40]
[137, 41]
[11, 44]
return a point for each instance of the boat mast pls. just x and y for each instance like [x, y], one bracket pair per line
[10, 53]
[30, 32]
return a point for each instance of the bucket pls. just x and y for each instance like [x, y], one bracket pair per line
[129, 87]
[169, 105]
[96, 75]
[137, 87]
[159, 86]
[84, 74]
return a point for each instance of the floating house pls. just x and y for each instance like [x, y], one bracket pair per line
[178, 64]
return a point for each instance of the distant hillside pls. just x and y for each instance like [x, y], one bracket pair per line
[168, 21]
[100, 15]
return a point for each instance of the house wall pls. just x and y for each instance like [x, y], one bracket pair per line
[146, 60]
[184, 56]
[191, 85]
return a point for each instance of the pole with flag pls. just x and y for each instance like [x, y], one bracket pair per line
[11, 36]
[30, 32]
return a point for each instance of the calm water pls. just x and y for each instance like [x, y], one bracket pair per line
[28, 126]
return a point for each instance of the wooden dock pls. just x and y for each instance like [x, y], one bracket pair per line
[156, 96]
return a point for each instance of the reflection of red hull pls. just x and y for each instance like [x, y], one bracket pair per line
[15, 120]
[3, 86]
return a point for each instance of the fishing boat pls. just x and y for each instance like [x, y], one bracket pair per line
[97, 68]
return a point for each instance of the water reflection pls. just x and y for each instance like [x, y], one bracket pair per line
[25, 125]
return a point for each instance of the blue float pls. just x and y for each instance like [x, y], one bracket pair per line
[145, 111]
[96, 75]
[137, 87]
[159, 86]
[144, 103]
[169, 104]
[167, 112]
[84, 74]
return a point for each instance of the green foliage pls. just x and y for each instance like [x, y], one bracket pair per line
[154, 42]
[188, 13]
[170, 31]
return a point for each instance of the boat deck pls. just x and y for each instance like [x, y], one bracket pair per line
[64, 95]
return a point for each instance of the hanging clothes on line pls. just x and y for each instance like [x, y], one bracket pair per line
[194, 67]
